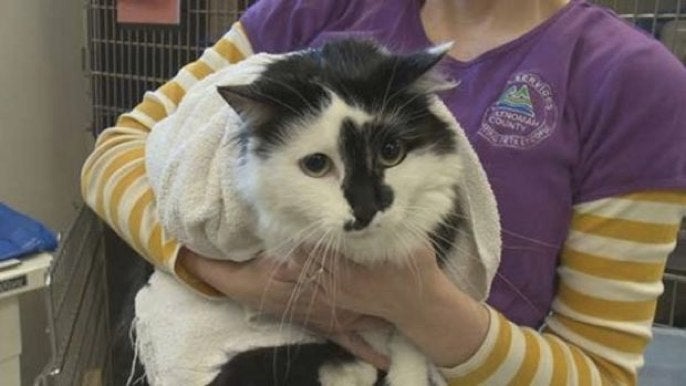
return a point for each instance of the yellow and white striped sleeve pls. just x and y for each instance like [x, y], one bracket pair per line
[610, 277]
[113, 179]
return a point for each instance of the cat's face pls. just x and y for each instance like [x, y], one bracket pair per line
[348, 154]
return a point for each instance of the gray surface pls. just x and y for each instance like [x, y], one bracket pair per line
[665, 359]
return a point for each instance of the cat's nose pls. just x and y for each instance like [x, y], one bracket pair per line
[363, 216]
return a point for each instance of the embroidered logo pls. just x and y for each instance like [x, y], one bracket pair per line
[524, 115]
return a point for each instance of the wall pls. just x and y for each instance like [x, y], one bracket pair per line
[43, 108]
[44, 116]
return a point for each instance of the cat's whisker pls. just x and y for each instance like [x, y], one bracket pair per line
[298, 237]
[520, 294]
[408, 260]
[334, 274]
[507, 246]
[418, 210]
[285, 258]
[289, 312]
[303, 280]
[331, 254]
[384, 99]
[448, 264]
[529, 239]
[464, 252]
[520, 248]
[321, 255]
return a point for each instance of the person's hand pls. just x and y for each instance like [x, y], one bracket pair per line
[268, 286]
[393, 292]
[416, 297]
[390, 291]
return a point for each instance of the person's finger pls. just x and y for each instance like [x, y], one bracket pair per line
[360, 348]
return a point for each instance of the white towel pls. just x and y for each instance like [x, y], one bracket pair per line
[189, 159]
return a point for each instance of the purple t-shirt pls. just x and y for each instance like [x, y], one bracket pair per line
[580, 108]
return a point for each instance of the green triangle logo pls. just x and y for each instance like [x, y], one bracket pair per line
[517, 99]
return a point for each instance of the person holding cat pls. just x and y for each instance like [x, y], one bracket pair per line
[578, 120]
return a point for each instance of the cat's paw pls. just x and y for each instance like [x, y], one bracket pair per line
[355, 373]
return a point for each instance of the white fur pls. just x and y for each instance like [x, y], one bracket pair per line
[213, 203]
[288, 202]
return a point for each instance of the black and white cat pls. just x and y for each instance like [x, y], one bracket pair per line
[345, 146]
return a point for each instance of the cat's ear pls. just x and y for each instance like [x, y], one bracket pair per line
[419, 63]
[419, 73]
[247, 100]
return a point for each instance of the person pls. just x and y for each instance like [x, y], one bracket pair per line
[579, 121]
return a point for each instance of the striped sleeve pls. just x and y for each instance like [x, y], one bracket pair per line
[610, 277]
[113, 179]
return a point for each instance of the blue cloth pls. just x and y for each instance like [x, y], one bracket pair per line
[21, 235]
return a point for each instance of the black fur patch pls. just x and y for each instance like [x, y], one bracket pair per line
[293, 365]
[359, 72]
[363, 185]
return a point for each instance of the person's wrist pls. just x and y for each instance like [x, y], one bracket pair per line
[183, 256]
[434, 323]
[191, 262]
[410, 309]
[206, 270]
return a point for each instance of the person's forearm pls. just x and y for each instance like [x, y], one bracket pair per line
[210, 272]
[113, 180]
[432, 324]
[610, 275]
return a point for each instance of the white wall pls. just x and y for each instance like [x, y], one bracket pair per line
[44, 110]
[44, 116]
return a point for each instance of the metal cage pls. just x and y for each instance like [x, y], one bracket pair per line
[76, 300]
[664, 19]
[125, 61]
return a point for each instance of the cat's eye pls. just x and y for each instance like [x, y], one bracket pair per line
[316, 165]
[392, 153]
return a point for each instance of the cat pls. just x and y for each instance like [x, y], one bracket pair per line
[343, 137]
[344, 148]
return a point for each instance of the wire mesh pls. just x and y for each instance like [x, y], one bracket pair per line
[664, 19]
[127, 60]
[76, 300]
